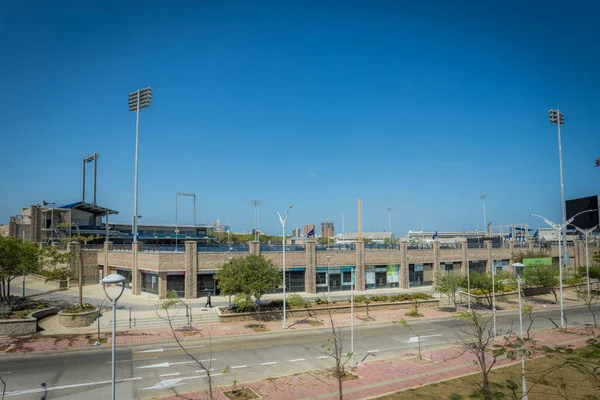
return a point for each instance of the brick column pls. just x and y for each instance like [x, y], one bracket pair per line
[403, 265]
[310, 284]
[578, 245]
[465, 259]
[136, 275]
[359, 272]
[107, 249]
[254, 247]
[530, 245]
[162, 285]
[436, 258]
[191, 269]
[490, 259]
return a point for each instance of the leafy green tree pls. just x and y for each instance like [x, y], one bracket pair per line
[542, 276]
[449, 285]
[16, 258]
[251, 275]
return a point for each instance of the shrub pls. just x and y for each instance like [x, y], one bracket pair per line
[382, 298]
[77, 308]
[295, 300]
[320, 300]
[360, 299]
[242, 304]
[413, 313]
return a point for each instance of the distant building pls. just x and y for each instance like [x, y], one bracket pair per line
[376, 237]
[296, 232]
[327, 230]
[307, 229]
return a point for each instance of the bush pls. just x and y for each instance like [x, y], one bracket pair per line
[77, 308]
[242, 304]
[382, 298]
[320, 300]
[294, 300]
[413, 313]
[361, 299]
[594, 271]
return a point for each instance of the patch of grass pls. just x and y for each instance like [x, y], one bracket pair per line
[541, 385]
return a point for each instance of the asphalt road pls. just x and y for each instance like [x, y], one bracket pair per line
[152, 371]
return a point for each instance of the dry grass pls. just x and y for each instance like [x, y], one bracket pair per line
[541, 386]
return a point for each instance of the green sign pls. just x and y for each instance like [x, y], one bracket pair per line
[537, 261]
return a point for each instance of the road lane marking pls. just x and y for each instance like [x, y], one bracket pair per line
[139, 359]
[269, 363]
[160, 350]
[373, 351]
[49, 389]
[417, 339]
[323, 356]
[298, 359]
[173, 374]
[238, 366]
[159, 365]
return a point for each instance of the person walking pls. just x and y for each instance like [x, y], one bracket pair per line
[208, 301]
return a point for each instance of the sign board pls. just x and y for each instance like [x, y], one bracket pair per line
[370, 278]
[537, 261]
[153, 279]
[392, 273]
[418, 267]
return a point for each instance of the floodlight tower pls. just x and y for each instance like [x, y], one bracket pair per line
[557, 118]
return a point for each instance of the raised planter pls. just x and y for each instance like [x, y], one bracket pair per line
[323, 310]
[24, 326]
[77, 320]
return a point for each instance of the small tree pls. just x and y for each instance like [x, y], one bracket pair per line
[477, 338]
[591, 301]
[410, 328]
[542, 276]
[16, 258]
[449, 285]
[251, 275]
[527, 310]
[334, 348]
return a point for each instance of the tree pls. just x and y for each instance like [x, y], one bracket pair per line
[334, 348]
[481, 285]
[477, 338]
[410, 328]
[449, 285]
[542, 276]
[16, 258]
[251, 275]
[591, 301]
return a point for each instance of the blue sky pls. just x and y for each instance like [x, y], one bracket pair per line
[420, 106]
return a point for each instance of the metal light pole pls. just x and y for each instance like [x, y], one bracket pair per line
[283, 221]
[559, 228]
[328, 293]
[352, 317]
[138, 100]
[256, 204]
[523, 382]
[468, 286]
[23, 232]
[494, 298]
[483, 196]
[587, 254]
[114, 279]
[557, 118]
[389, 210]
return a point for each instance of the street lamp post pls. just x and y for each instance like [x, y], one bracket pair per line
[283, 221]
[352, 318]
[494, 298]
[559, 228]
[557, 118]
[587, 254]
[114, 279]
[256, 204]
[138, 100]
[523, 381]
[328, 293]
[483, 196]
[389, 210]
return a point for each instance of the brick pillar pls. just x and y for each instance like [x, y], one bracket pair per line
[191, 269]
[578, 245]
[162, 285]
[436, 258]
[403, 265]
[490, 259]
[530, 245]
[465, 259]
[310, 273]
[75, 261]
[359, 272]
[107, 249]
[254, 247]
[136, 275]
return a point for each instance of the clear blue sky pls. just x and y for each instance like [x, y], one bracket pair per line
[420, 106]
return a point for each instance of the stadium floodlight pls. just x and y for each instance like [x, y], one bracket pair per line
[557, 118]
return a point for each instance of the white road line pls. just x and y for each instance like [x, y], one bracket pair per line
[298, 359]
[4, 373]
[182, 362]
[269, 363]
[160, 350]
[49, 389]
[159, 365]
[201, 370]
[208, 359]
[139, 359]
[373, 351]
[173, 374]
[324, 357]
[238, 366]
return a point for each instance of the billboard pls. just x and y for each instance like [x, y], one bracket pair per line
[586, 220]
[537, 261]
